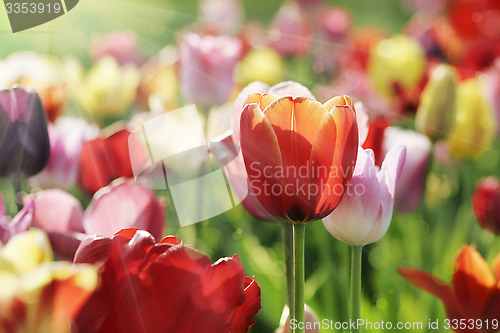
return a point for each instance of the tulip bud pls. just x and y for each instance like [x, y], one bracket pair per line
[24, 140]
[486, 204]
[397, 60]
[261, 64]
[436, 113]
[206, 68]
[475, 127]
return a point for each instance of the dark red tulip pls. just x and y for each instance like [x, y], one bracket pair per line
[24, 140]
[486, 204]
[104, 159]
[375, 138]
[164, 287]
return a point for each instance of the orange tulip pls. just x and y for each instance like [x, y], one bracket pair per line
[299, 153]
[474, 294]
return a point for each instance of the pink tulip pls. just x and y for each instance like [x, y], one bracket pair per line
[122, 204]
[227, 150]
[206, 68]
[20, 223]
[121, 45]
[492, 89]
[365, 212]
[62, 168]
[410, 188]
[289, 33]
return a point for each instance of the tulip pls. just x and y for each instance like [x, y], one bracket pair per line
[206, 68]
[397, 61]
[62, 169]
[37, 295]
[120, 45]
[24, 140]
[410, 187]
[474, 128]
[289, 33]
[436, 113]
[103, 160]
[117, 206]
[261, 64]
[486, 204]
[40, 72]
[176, 288]
[376, 137]
[107, 90]
[21, 222]
[475, 290]
[281, 136]
[364, 214]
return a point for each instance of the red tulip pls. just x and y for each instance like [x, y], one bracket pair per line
[375, 138]
[299, 154]
[103, 160]
[475, 291]
[164, 287]
[486, 204]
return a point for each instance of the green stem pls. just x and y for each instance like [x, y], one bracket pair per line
[290, 278]
[357, 252]
[297, 307]
[17, 184]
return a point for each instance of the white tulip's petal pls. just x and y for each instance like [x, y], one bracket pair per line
[291, 88]
[363, 121]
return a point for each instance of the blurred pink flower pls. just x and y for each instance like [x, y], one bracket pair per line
[121, 45]
[365, 212]
[335, 22]
[289, 33]
[222, 16]
[206, 68]
[20, 223]
[122, 204]
[227, 149]
[492, 89]
[409, 191]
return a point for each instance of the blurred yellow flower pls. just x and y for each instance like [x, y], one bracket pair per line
[38, 295]
[436, 113]
[107, 89]
[475, 125]
[262, 64]
[396, 60]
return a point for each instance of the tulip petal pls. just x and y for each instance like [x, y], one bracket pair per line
[438, 288]
[473, 281]
[243, 319]
[261, 151]
[291, 88]
[336, 147]
[19, 224]
[3, 211]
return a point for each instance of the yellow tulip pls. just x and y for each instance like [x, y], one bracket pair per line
[475, 127]
[263, 64]
[436, 113]
[396, 60]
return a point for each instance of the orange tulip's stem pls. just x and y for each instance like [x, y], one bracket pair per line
[290, 278]
[357, 252]
[297, 307]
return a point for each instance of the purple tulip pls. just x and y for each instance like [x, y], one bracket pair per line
[206, 68]
[365, 212]
[20, 223]
[410, 189]
[24, 140]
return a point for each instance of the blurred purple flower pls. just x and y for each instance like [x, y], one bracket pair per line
[120, 205]
[206, 68]
[410, 189]
[24, 140]
[289, 33]
[20, 223]
[121, 45]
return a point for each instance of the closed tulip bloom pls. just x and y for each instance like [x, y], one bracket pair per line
[177, 289]
[364, 214]
[486, 204]
[206, 68]
[474, 292]
[24, 140]
[299, 154]
[475, 125]
[261, 64]
[436, 112]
